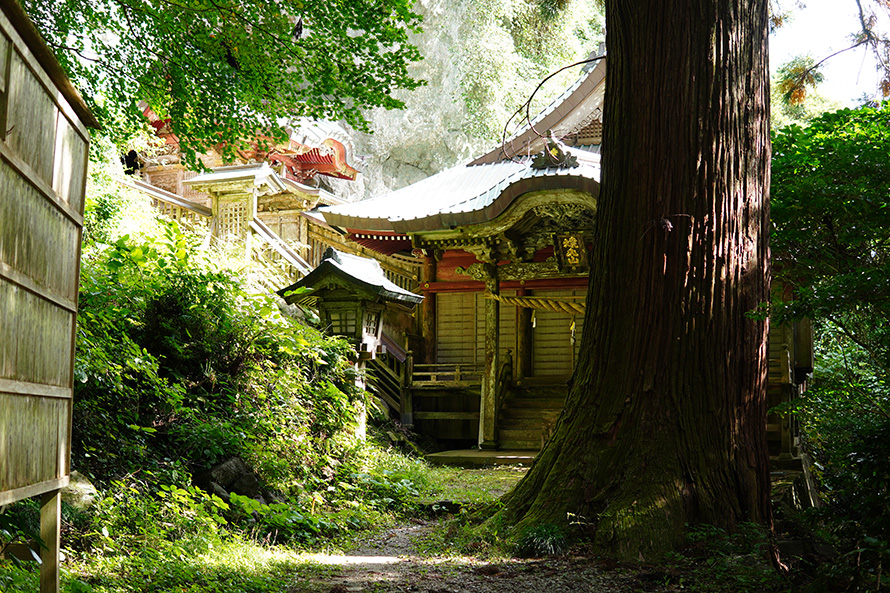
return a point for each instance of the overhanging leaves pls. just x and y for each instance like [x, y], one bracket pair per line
[224, 71]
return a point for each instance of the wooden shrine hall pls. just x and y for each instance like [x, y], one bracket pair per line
[503, 243]
[497, 248]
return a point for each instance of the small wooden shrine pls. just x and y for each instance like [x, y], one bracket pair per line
[355, 300]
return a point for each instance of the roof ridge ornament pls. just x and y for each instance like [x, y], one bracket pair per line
[554, 156]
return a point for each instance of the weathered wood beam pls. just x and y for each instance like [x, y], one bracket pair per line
[488, 405]
[50, 533]
[446, 384]
[446, 415]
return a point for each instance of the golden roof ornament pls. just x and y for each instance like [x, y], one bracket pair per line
[554, 156]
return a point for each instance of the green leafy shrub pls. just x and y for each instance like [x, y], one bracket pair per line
[545, 539]
[284, 523]
[848, 435]
[831, 234]
[719, 561]
[175, 358]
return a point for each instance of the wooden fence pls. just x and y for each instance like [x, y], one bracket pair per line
[44, 147]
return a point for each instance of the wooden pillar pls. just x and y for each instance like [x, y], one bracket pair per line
[428, 311]
[50, 533]
[407, 403]
[488, 405]
[523, 358]
[214, 215]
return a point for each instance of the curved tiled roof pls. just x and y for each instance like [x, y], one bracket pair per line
[462, 195]
[362, 271]
[483, 189]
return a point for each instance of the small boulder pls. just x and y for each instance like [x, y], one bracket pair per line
[229, 471]
[80, 492]
[247, 485]
[219, 491]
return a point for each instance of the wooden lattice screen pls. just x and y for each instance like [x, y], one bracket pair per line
[43, 159]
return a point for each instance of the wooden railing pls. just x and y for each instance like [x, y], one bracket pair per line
[183, 210]
[385, 378]
[446, 375]
[299, 266]
[395, 381]
[171, 205]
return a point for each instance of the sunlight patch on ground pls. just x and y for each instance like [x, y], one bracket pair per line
[346, 560]
[340, 560]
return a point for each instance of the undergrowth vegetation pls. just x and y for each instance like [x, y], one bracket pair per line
[181, 365]
[831, 235]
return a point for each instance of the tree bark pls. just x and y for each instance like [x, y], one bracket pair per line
[665, 422]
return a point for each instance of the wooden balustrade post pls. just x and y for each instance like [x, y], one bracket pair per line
[407, 404]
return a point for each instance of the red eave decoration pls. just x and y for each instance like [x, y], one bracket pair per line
[161, 126]
[328, 159]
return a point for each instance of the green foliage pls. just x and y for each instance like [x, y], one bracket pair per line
[177, 520]
[848, 434]
[226, 72]
[283, 523]
[19, 524]
[176, 359]
[545, 539]
[148, 536]
[831, 212]
[716, 561]
[831, 217]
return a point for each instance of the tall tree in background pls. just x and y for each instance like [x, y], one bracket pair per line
[226, 71]
[665, 422]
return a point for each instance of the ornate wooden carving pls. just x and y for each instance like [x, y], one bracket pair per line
[529, 271]
[482, 272]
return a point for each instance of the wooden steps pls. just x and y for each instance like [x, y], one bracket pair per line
[528, 416]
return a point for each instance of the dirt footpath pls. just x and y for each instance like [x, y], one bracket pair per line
[391, 563]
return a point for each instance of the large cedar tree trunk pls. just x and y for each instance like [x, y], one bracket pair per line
[665, 421]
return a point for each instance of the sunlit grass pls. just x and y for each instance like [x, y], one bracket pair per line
[472, 486]
[235, 566]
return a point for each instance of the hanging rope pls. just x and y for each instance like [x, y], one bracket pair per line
[558, 305]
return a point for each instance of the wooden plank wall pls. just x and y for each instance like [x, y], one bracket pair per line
[553, 352]
[43, 160]
[456, 328]
[460, 327]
